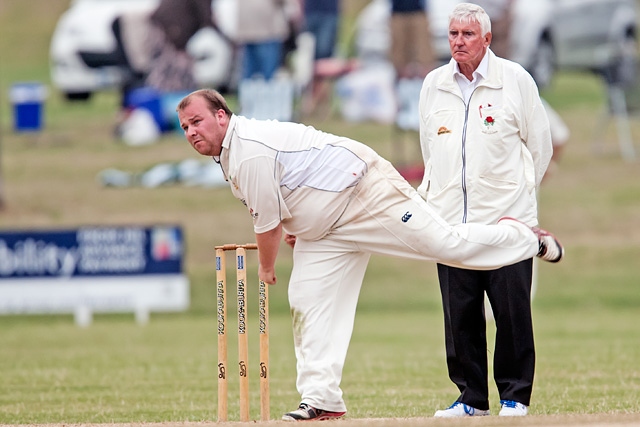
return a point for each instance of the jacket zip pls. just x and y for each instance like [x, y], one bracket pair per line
[463, 177]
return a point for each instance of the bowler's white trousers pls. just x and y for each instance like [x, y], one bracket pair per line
[384, 216]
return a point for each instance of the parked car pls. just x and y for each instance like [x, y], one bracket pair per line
[83, 33]
[546, 35]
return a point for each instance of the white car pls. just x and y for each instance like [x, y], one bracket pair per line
[86, 28]
[596, 35]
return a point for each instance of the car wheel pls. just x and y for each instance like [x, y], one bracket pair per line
[77, 96]
[543, 63]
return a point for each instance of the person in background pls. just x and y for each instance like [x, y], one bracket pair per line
[153, 49]
[173, 23]
[412, 56]
[411, 50]
[263, 27]
[486, 144]
[501, 14]
[321, 18]
[336, 201]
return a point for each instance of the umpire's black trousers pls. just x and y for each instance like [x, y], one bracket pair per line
[509, 292]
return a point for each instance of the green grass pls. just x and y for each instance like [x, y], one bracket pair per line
[585, 309]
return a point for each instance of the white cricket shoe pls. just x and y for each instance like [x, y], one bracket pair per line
[511, 408]
[459, 409]
[549, 248]
[306, 412]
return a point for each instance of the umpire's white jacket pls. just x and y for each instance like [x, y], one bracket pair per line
[483, 160]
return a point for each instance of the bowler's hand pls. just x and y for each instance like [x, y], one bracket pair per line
[267, 275]
[290, 240]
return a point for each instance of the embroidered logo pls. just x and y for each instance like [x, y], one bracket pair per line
[489, 121]
[442, 130]
[406, 217]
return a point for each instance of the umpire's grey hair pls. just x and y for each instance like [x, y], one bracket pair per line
[468, 13]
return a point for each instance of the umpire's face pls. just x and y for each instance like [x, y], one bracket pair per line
[467, 43]
[203, 128]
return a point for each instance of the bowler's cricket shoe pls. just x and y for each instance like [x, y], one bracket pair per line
[459, 409]
[306, 412]
[511, 408]
[549, 248]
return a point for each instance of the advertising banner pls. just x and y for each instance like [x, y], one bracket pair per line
[93, 269]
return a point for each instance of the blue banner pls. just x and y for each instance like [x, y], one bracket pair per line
[91, 251]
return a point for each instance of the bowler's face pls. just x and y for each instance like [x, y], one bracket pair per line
[203, 129]
[467, 44]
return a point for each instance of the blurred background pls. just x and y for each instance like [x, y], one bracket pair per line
[91, 160]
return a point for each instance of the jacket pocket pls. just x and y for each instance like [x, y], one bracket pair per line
[490, 118]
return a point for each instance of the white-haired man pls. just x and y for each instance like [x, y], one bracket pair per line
[486, 145]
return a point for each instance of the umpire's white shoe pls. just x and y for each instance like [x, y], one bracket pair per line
[459, 409]
[511, 408]
[549, 248]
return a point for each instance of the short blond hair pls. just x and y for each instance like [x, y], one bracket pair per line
[215, 101]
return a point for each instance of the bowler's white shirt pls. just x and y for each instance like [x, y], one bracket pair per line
[291, 173]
